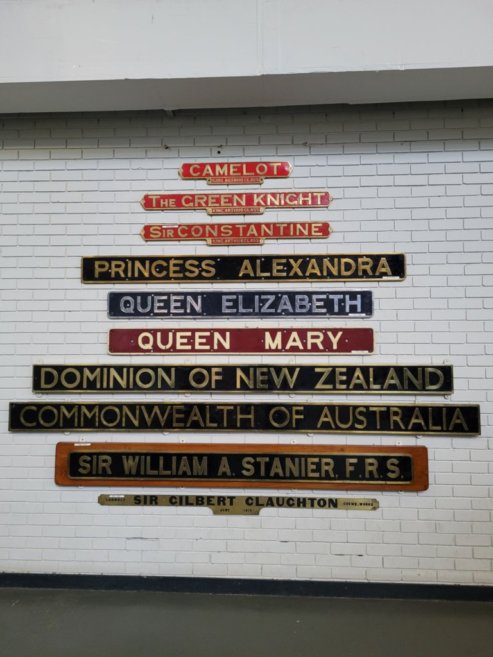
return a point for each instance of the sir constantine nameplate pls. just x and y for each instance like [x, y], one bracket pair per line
[331, 418]
[243, 505]
[269, 303]
[240, 466]
[234, 173]
[269, 268]
[328, 379]
[241, 341]
[236, 202]
[226, 234]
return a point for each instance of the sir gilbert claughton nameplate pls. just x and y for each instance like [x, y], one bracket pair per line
[356, 379]
[241, 341]
[232, 269]
[271, 303]
[243, 505]
[234, 466]
[425, 419]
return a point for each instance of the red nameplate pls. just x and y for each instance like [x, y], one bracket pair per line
[234, 173]
[226, 234]
[236, 202]
[241, 341]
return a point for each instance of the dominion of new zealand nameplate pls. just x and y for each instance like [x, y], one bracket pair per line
[242, 505]
[200, 269]
[271, 303]
[234, 466]
[328, 379]
[416, 419]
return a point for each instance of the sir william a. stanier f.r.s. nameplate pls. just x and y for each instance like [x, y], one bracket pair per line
[355, 467]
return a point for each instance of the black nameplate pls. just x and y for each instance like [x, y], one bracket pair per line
[347, 379]
[425, 419]
[352, 467]
[139, 464]
[271, 303]
[199, 269]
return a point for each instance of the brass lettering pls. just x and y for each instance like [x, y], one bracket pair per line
[84, 461]
[23, 416]
[394, 471]
[371, 468]
[417, 421]
[351, 463]
[327, 468]
[326, 419]
[458, 419]
[429, 375]
[100, 267]
[383, 268]
[246, 269]
[325, 372]
[46, 382]
[248, 467]
[284, 375]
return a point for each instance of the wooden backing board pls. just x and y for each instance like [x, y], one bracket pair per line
[344, 467]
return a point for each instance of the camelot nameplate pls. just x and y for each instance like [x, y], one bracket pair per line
[234, 173]
[235, 466]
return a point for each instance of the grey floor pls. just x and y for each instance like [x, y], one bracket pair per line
[68, 623]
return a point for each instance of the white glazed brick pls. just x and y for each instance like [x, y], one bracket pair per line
[412, 178]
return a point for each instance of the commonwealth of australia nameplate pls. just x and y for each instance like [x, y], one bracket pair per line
[230, 234]
[233, 269]
[242, 466]
[217, 203]
[321, 379]
[241, 341]
[269, 303]
[330, 418]
[234, 173]
[242, 505]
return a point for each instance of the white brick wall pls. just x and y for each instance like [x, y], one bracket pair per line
[417, 179]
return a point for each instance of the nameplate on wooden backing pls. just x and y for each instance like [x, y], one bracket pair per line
[241, 466]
